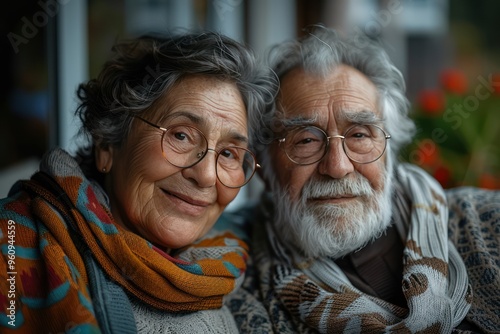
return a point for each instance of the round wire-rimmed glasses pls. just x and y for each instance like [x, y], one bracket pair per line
[184, 146]
[363, 144]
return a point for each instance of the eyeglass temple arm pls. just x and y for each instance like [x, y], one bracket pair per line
[148, 122]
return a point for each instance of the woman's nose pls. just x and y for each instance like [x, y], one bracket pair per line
[204, 173]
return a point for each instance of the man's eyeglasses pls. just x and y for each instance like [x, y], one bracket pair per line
[184, 146]
[308, 144]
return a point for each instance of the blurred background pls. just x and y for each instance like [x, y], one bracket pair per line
[448, 51]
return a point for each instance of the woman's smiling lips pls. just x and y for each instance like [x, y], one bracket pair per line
[185, 203]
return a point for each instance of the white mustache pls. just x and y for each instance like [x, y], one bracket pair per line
[322, 188]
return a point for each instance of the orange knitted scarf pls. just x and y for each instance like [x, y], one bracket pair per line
[44, 229]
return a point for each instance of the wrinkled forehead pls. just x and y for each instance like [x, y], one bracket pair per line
[344, 92]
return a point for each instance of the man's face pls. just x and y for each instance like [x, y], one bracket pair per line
[335, 194]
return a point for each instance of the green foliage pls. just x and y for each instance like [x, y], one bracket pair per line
[458, 131]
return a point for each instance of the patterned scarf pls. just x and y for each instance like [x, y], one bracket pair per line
[317, 295]
[53, 231]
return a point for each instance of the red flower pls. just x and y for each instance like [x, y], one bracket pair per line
[495, 83]
[432, 101]
[454, 81]
[488, 181]
[443, 175]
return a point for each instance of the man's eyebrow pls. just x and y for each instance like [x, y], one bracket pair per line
[361, 117]
[298, 121]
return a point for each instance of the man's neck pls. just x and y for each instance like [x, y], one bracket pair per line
[377, 269]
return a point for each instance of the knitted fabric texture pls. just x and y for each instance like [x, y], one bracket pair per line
[310, 296]
[51, 284]
[152, 321]
[474, 227]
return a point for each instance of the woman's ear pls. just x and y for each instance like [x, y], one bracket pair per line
[104, 158]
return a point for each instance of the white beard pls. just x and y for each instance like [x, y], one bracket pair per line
[329, 229]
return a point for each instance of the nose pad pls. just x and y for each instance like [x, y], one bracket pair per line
[335, 163]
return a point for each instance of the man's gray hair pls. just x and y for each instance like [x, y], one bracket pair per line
[322, 50]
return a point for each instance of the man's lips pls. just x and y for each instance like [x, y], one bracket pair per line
[332, 197]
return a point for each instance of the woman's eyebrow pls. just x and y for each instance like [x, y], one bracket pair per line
[235, 136]
[201, 122]
[192, 117]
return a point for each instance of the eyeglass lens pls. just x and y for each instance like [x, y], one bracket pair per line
[362, 143]
[184, 146]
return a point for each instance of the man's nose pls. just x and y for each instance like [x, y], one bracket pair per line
[335, 163]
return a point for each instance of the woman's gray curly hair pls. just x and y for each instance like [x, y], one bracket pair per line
[320, 51]
[143, 69]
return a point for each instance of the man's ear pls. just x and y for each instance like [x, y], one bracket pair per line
[104, 158]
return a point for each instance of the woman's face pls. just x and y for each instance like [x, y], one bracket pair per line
[168, 205]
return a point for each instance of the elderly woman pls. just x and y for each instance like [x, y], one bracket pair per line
[120, 238]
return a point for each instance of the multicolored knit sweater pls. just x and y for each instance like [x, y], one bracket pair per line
[451, 272]
[67, 267]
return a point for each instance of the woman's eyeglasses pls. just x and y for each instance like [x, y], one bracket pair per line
[184, 146]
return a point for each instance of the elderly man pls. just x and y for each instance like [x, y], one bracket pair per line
[348, 239]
